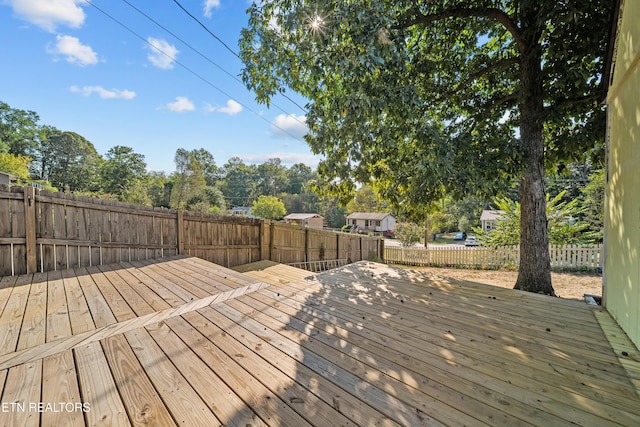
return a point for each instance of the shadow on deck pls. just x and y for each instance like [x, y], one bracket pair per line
[187, 342]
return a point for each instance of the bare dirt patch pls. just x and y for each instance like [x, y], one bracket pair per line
[571, 285]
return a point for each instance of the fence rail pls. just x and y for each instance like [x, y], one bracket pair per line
[317, 266]
[44, 231]
[565, 256]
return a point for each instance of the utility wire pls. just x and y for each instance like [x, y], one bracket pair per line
[191, 71]
[206, 58]
[231, 50]
[206, 29]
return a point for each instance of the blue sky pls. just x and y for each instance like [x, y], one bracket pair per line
[83, 72]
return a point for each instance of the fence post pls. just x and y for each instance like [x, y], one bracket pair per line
[271, 238]
[306, 244]
[30, 228]
[180, 236]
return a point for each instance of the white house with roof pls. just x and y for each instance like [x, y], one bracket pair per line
[311, 220]
[371, 222]
[242, 211]
[489, 218]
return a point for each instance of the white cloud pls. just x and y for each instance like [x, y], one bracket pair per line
[287, 158]
[104, 93]
[48, 14]
[210, 4]
[289, 126]
[162, 54]
[231, 109]
[74, 52]
[181, 104]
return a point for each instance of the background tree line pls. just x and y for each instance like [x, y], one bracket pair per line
[68, 162]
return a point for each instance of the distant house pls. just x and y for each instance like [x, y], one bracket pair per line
[242, 211]
[310, 220]
[7, 178]
[369, 222]
[489, 218]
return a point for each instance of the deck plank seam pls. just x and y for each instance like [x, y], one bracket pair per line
[52, 347]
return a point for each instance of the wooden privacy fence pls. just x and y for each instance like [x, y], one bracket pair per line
[565, 256]
[45, 231]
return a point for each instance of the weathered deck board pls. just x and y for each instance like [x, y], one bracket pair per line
[186, 342]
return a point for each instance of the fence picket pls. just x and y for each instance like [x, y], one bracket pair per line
[561, 256]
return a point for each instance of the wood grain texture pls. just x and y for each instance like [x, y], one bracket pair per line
[187, 342]
[143, 404]
[98, 388]
[60, 385]
[186, 406]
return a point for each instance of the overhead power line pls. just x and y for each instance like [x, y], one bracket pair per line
[190, 70]
[206, 58]
[206, 29]
[231, 50]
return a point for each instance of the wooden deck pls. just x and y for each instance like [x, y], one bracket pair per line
[187, 342]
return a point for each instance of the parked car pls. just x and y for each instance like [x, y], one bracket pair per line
[460, 236]
[471, 241]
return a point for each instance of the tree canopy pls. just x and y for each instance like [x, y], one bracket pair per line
[18, 130]
[445, 96]
[565, 224]
[269, 207]
[15, 164]
[68, 160]
[121, 170]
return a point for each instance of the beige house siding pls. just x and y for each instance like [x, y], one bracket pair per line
[622, 206]
[305, 220]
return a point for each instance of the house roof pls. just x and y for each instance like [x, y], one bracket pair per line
[368, 215]
[7, 174]
[491, 215]
[302, 216]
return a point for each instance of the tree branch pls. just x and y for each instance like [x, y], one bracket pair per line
[504, 63]
[568, 102]
[494, 14]
[495, 103]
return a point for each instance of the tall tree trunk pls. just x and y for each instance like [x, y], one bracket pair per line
[534, 274]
